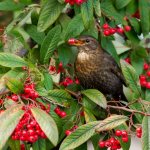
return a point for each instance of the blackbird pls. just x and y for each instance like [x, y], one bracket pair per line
[96, 69]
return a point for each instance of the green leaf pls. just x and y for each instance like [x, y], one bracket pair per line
[81, 135]
[72, 30]
[47, 124]
[97, 7]
[11, 60]
[96, 96]
[87, 13]
[39, 145]
[9, 120]
[135, 23]
[15, 73]
[48, 82]
[14, 85]
[131, 77]
[64, 54]
[49, 44]
[9, 5]
[111, 123]
[14, 145]
[59, 96]
[147, 95]
[144, 16]
[146, 133]
[137, 62]
[34, 34]
[122, 3]
[109, 10]
[109, 47]
[49, 14]
[89, 117]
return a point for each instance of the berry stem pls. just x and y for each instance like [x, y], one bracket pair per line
[129, 110]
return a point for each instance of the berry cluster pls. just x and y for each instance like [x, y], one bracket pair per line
[144, 77]
[52, 69]
[68, 132]
[111, 143]
[72, 2]
[67, 81]
[123, 134]
[107, 30]
[60, 113]
[29, 92]
[28, 129]
[139, 132]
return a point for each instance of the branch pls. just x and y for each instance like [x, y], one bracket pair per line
[129, 110]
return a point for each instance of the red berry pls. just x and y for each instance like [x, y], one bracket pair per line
[148, 73]
[112, 30]
[124, 133]
[27, 90]
[24, 133]
[105, 26]
[43, 135]
[68, 132]
[38, 132]
[101, 144]
[22, 138]
[120, 30]
[22, 147]
[14, 97]
[107, 144]
[112, 140]
[1, 101]
[118, 132]
[148, 85]
[52, 68]
[71, 41]
[31, 132]
[142, 78]
[143, 83]
[125, 139]
[106, 32]
[114, 147]
[127, 28]
[36, 137]
[77, 81]
[139, 130]
[146, 66]
[139, 135]
[29, 127]
[31, 139]
[128, 60]
[57, 110]
[33, 123]
[62, 114]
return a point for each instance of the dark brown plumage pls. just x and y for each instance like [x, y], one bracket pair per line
[97, 69]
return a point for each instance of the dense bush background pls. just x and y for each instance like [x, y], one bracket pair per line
[34, 49]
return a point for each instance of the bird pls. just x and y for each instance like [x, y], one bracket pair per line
[97, 69]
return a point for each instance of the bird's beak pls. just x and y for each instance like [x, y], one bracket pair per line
[75, 42]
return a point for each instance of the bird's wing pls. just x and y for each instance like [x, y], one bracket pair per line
[114, 68]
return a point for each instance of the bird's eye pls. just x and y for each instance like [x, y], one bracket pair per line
[87, 40]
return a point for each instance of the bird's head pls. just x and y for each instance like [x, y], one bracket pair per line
[86, 44]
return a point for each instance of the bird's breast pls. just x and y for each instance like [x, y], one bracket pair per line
[85, 63]
[83, 57]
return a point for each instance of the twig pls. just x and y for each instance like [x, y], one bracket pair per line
[129, 110]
